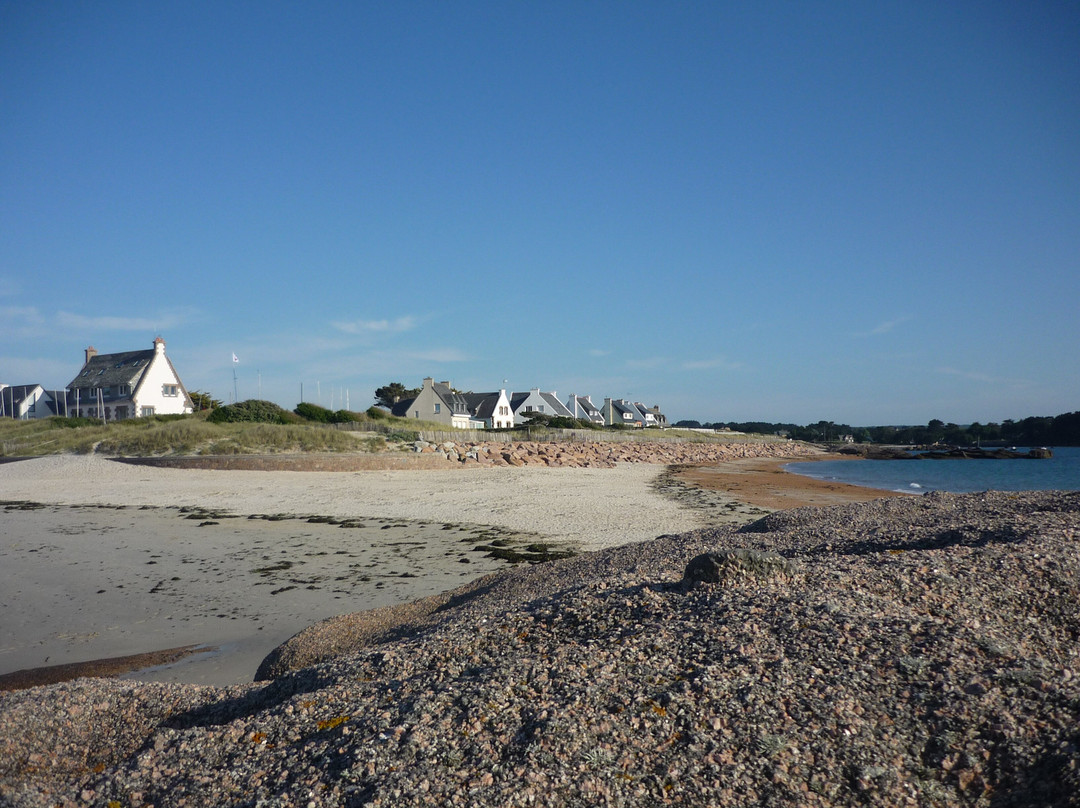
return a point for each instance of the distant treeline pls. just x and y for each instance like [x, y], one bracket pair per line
[1058, 430]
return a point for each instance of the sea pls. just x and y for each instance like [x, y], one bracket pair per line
[1058, 473]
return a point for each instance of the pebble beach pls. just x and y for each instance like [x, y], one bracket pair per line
[900, 651]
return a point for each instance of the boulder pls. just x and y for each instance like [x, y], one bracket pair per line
[712, 568]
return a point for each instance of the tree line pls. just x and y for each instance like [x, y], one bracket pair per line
[1057, 430]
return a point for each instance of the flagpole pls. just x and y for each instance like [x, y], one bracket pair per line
[235, 394]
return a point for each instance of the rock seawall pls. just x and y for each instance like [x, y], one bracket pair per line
[604, 454]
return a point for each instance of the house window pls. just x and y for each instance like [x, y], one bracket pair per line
[124, 390]
[540, 408]
[169, 390]
[145, 411]
[121, 413]
[437, 408]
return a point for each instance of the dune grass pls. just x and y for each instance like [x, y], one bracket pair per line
[188, 435]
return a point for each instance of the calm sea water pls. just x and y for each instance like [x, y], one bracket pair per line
[1059, 473]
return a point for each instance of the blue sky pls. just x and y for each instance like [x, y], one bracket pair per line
[861, 212]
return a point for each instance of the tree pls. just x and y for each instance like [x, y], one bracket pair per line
[202, 401]
[394, 392]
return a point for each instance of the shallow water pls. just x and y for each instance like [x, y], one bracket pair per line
[1059, 473]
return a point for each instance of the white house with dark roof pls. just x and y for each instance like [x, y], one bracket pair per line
[132, 384]
[524, 405]
[26, 401]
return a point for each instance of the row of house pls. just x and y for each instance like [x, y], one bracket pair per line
[135, 384]
[109, 386]
[439, 402]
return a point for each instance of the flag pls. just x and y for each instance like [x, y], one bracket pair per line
[235, 359]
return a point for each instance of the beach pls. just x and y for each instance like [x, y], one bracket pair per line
[163, 568]
[902, 651]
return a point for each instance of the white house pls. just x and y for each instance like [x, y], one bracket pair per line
[25, 401]
[535, 401]
[128, 385]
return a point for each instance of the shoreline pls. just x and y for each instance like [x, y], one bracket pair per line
[561, 504]
[765, 483]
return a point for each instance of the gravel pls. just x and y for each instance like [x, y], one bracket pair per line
[918, 651]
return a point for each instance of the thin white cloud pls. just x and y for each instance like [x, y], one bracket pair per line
[9, 287]
[394, 326]
[716, 363]
[883, 327]
[598, 352]
[68, 319]
[28, 315]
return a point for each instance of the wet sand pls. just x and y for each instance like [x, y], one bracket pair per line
[762, 482]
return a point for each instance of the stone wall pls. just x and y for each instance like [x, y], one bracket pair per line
[603, 454]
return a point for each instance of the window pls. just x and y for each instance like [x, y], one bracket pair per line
[540, 408]
[124, 390]
[438, 407]
[121, 413]
[169, 390]
[145, 411]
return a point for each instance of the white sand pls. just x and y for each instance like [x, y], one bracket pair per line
[78, 584]
[590, 508]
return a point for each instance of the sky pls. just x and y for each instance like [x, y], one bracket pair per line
[867, 213]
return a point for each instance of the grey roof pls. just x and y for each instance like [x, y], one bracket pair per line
[557, 407]
[624, 406]
[586, 405]
[401, 408]
[483, 404]
[455, 401]
[112, 370]
[15, 394]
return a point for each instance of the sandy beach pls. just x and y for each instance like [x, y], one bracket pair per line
[117, 563]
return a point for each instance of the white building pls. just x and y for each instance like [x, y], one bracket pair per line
[128, 385]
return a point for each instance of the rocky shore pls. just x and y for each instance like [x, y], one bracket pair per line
[911, 651]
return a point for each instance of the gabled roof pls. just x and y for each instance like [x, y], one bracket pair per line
[483, 404]
[111, 370]
[586, 405]
[16, 394]
[557, 407]
[456, 402]
[401, 408]
[625, 407]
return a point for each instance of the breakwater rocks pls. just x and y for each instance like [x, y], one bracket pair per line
[604, 454]
[904, 652]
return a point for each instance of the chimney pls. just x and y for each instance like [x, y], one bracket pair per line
[159, 345]
[91, 352]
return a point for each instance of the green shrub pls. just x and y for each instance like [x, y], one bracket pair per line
[345, 417]
[377, 413]
[263, 412]
[73, 423]
[313, 412]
